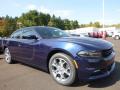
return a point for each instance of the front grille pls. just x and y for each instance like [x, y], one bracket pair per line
[107, 52]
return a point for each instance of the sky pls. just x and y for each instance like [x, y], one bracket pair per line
[84, 11]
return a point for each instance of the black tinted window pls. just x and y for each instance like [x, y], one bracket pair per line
[17, 34]
[28, 34]
[51, 33]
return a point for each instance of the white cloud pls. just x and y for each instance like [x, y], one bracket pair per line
[118, 10]
[31, 7]
[44, 10]
[17, 5]
[61, 13]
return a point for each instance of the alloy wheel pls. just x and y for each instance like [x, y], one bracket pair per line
[7, 55]
[61, 69]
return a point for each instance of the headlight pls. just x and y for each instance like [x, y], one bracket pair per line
[89, 54]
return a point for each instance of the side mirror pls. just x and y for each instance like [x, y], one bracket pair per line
[30, 37]
[33, 37]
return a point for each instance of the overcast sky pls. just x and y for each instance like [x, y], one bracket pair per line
[82, 10]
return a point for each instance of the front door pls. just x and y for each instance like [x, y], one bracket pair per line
[27, 45]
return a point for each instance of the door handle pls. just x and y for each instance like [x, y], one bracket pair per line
[19, 45]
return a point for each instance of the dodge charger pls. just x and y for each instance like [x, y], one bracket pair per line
[66, 58]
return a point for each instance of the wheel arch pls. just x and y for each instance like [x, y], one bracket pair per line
[54, 52]
[117, 36]
[4, 48]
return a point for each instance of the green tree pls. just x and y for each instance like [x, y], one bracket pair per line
[90, 24]
[67, 25]
[83, 25]
[10, 25]
[75, 24]
[30, 18]
[34, 18]
[97, 25]
[44, 19]
[56, 22]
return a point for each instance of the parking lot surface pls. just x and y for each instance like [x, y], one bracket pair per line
[22, 77]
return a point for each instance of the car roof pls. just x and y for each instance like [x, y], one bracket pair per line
[35, 27]
[39, 27]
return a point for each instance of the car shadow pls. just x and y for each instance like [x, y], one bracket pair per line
[104, 82]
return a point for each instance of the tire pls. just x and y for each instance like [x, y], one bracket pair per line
[62, 69]
[8, 57]
[117, 37]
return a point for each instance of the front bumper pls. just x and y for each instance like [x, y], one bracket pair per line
[90, 71]
[103, 74]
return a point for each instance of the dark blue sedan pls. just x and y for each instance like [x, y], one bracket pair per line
[67, 58]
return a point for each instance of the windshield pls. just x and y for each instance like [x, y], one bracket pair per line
[51, 33]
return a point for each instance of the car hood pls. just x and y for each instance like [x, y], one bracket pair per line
[88, 42]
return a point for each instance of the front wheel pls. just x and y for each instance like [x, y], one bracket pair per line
[62, 69]
[7, 56]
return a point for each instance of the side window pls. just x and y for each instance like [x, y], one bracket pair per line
[17, 34]
[29, 34]
[44, 33]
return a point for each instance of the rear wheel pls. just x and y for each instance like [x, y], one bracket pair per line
[117, 37]
[7, 56]
[62, 69]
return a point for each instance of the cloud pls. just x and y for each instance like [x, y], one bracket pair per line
[31, 7]
[17, 5]
[61, 13]
[44, 9]
[118, 10]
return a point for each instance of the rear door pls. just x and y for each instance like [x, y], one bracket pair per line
[14, 41]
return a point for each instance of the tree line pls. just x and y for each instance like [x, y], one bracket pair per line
[35, 18]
